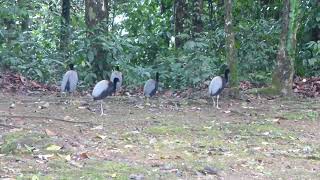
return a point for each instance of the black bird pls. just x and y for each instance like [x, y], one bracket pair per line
[151, 86]
[216, 86]
[69, 80]
[103, 89]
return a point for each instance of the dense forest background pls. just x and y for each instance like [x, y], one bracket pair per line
[183, 40]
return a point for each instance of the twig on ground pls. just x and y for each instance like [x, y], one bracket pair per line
[45, 117]
[10, 126]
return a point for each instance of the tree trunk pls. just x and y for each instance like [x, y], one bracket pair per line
[179, 15]
[230, 46]
[282, 79]
[65, 25]
[95, 12]
[197, 16]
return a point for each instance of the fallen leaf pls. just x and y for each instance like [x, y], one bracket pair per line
[50, 133]
[45, 156]
[152, 141]
[248, 107]
[35, 177]
[100, 136]
[74, 163]
[46, 105]
[67, 118]
[210, 170]
[139, 106]
[129, 146]
[29, 148]
[83, 156]
[53, 147]
[66, 157]
[136, 176]
[97, 127]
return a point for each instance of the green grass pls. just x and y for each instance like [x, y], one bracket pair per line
[304, 115]
[166, 130]
[93, 169]
[21, 142]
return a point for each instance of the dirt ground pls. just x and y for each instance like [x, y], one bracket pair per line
[51, 137]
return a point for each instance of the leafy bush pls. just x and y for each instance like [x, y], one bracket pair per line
[142, 43]
[258, 45]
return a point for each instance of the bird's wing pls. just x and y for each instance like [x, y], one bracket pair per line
[65, 80]
[99, 88]
[149, 86]
[215, 85]
[73, 80]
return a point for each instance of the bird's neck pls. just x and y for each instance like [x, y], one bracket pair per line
[226, 77]
[114, 86]
[156, 85]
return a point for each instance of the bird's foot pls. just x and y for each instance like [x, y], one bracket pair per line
[103, 114]
[218, 107]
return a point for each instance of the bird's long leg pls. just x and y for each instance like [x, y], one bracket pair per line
[71, 96]
[218, 102]
[101, 108]
[213, 102]
[147, 103]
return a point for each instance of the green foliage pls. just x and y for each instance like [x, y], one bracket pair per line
[258, 44]
[312, 58]
[138, 36]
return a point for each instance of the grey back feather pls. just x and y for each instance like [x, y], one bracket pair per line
[149, 87]
[100, 90]
[215, 86]
[70, 78]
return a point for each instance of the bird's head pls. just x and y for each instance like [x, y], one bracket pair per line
[71, 66]
[115, 80]
[227, 71]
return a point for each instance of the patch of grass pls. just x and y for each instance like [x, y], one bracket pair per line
[258, 132]
[33, 177]
[255, 129]
[20, 142]
[135, 138]
[166, 130]
[94, 169]
[307, 115]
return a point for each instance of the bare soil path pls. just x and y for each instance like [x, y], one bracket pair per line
[50, 137]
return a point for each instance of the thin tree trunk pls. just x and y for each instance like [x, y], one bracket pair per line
[282, 79]
[197, 17]
[179, 15]
[95, 12]
[230, 45]
[65, 25]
